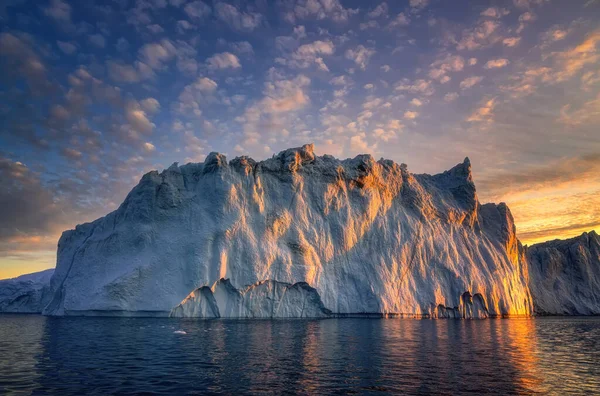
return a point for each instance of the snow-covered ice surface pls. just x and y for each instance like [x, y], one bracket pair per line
[27, 293]
[565, 275]
[266, 299]
[368, 235]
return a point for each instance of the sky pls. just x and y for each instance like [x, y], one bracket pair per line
[93, 94]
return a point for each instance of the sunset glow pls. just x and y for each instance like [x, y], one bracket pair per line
[94, 95]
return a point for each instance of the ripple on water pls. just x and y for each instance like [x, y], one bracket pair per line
[133, 355]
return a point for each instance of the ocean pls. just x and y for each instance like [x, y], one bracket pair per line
[100, 355]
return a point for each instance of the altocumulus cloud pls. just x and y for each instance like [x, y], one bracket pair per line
[114, 89]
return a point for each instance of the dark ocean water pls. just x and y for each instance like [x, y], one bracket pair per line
[43, 355]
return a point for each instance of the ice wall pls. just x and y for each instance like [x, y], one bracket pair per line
[267, 299]
[565, 275]
[369, 236]
[26, 294]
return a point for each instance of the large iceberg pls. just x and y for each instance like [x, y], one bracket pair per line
[369, 236]
[565, 275]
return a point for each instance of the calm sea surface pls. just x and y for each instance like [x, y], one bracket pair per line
[133, 355]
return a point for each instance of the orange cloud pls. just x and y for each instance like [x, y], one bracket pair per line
[558, 200]
[574, 60]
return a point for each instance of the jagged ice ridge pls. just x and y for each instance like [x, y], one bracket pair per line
[296, 235]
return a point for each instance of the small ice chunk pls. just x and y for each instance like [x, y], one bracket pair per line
[179, 332]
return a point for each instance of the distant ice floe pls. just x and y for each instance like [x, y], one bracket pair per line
[27, 293]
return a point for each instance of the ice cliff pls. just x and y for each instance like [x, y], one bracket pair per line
[565, 275]
[369, 237]
[27, 293]
[266, 299]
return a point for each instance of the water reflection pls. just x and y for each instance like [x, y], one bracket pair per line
[521, 337]
[20, 345]
[106, 355]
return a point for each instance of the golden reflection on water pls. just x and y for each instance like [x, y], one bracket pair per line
[520, 339]
[310, 353]
[502, 356]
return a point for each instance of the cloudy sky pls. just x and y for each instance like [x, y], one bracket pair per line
[95, 93]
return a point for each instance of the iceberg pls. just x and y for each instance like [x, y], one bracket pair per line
[27, 293]
[565, 275]
[368, 236]
[301, 235]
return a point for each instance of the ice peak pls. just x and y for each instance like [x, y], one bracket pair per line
[243, 164]
[214, 161]
[462, 170]
[292, 159]
[307, 151]
[298, 156]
